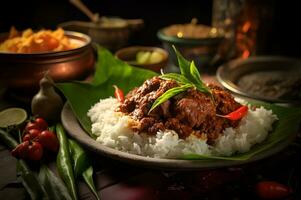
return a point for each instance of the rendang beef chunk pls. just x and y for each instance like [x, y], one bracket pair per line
[190, 112]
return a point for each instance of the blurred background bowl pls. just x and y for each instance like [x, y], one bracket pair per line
[129, 55]
[195, 42]
[111, 33]
[266, 78]
[21, 72]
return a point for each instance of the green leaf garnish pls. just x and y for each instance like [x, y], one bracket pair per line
[189, 76]
[183, 64]
[179, 78]
[168, 94]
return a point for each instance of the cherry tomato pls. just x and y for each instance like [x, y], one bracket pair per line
[15, 152]
[35, 151]
[41, 123]
[49, 140]
[33, 133]
[26, 137]
[21, 150]
[272, 190]
[32, 125]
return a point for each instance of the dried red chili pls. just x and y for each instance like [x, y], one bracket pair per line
[118, 94]
[237, 114]
[272, 190]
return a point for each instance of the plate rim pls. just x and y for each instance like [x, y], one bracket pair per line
[74, 129]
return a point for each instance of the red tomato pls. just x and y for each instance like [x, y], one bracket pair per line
[26, 137]
[33, 133]
[31, 125]
[21, 150]
[272, 190]
[35, 151]
[49, 140]
[41, 123]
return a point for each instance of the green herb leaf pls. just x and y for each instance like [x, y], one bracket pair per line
[82, 164]
[56, 189]
[64, 162]
[184, 64]
[79, 157]
[88, 177]
[30, 181]
[179, 78]
[168, 94]
[200, 85]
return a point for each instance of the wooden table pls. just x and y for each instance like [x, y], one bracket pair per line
[119, 181]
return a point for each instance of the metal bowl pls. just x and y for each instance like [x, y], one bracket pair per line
[265, 78]
[22, 72]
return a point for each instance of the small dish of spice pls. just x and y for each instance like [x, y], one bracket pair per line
[271, 79]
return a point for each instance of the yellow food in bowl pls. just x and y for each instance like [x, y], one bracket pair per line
[41, 41]
[148, 57]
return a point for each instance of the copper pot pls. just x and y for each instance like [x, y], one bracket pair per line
[22, 72]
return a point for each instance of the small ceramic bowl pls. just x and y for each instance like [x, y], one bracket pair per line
[129, 55]
[195, 42]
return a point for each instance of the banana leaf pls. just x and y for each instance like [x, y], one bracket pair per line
[111, 71]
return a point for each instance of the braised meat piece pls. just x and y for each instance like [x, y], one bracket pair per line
[194, 108]
[190, 112]
[224, 101]
[138, 102]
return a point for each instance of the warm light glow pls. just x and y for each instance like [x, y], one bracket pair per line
[246, 27]
[245, 54]
[180, 34]
[213, 30]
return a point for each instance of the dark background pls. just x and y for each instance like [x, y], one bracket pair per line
[281, 36]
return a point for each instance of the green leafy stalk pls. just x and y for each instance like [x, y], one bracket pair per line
[88, 177]
[82, 165]
[80, 160]
[168, 94]
[30, 181]
[56, 189]
[63, 162]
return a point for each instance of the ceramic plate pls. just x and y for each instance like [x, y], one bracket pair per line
[75, 130]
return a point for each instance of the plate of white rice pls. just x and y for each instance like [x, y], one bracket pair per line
[115, 139]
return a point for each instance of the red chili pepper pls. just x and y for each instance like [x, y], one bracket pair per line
[237, 114]
[118, 94]
[272, 190]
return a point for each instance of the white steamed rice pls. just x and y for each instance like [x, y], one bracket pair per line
[112, 130]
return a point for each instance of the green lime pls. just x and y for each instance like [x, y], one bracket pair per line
[12, 116]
